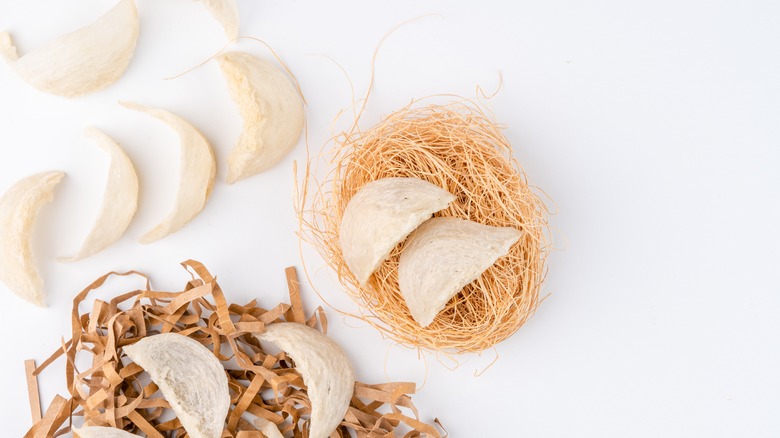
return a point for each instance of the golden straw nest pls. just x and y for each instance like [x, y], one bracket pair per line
[458, 147]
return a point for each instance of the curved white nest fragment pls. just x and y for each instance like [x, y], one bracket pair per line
[380, 215]
[120, 198]
[101, 432]
[444, 255]
[226, 12]
[197, 171]
[326, 371]
[272, 110]
[19, 208]
[83, 61]
[190, 378]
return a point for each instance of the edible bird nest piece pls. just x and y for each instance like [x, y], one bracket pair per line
[266, 390]
[459, 148]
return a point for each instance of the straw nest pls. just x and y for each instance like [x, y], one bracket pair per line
[458, 147]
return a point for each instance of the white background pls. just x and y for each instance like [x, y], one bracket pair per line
[653, 126]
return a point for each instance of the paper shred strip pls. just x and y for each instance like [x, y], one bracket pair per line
[54, 356]
[43, 428]
[295, 313]
[186, 297]
[246, 398]
[250, 434]
[265, 388]
[144, 425]
[32, 390]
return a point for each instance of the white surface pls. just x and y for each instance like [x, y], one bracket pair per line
[653, 126]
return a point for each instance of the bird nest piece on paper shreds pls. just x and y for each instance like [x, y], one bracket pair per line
[115, 392]
[457, 147]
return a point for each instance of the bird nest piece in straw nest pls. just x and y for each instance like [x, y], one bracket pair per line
[264, 388]
[458, 147]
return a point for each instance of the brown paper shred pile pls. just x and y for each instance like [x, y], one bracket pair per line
[116, 392]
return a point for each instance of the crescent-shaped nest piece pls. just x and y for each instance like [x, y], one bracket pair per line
[325, 369]
[191, 379]
[442, 256]
[120, 199]
[197, 171]
[19, 208]
[82, 61]
[267, 393]
[459, 148]
[271, 107]
[381, 215]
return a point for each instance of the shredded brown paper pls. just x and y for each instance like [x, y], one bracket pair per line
[115, 392]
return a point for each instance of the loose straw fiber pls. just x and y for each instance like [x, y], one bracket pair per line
[264, 388]
[459, 148]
